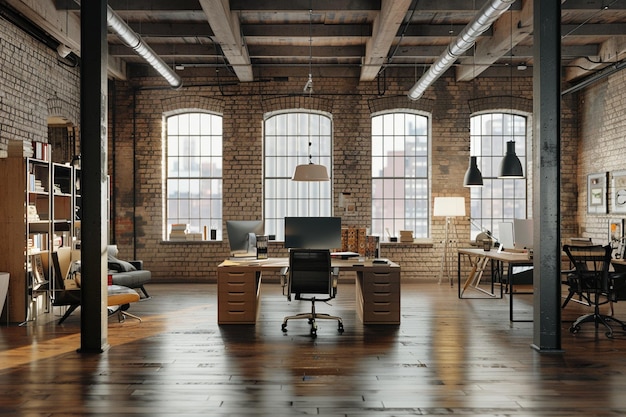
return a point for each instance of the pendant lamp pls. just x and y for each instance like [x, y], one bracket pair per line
[310, 171]
[473, 176]
[511, 167]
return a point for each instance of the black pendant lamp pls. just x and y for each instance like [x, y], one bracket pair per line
[473, 176]
[511, 167]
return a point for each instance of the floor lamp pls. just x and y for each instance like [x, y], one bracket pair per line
[448, 207]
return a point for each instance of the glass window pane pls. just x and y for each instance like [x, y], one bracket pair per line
[286, 145]
[194, 170]
[499, 199]
[400, 154]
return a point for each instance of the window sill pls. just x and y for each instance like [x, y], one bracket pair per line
[193, 242]
[420, 242]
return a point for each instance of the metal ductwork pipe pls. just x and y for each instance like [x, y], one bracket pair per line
[485, 17]
[121, 29]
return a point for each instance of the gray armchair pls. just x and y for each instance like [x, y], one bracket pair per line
[128, 274]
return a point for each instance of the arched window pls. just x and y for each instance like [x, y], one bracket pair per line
[500, 199]
[193, 175]
[400, 167]
[287, 137]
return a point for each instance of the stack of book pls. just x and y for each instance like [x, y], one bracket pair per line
[406, 236]
[179, 231]
[33, 216]
[35, 184]
[194, 236]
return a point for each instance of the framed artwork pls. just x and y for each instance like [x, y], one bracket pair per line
[616, 237]
[596, 193]
[618, 200]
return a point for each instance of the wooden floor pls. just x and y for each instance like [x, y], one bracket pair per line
[448, 357]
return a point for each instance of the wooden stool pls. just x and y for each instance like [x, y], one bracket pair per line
[119, 299]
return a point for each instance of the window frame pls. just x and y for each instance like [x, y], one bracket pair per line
[197, 177]
[421, 200]
[507, 210]
[283, 197]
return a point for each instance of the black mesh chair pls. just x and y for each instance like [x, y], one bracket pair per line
[310, 275]
[592, 280]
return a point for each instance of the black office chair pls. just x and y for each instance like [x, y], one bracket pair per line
[60, 296]
[592, 280]
[310, 273]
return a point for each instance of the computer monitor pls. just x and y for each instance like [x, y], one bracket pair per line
[523, 233]
[242, 236]
[313, 232]
[505, 235]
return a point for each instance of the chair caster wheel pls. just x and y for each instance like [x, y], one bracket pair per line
[283, 327]
[340, 328]
[313, 333]
[574, 330]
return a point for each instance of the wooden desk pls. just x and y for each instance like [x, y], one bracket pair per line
[239, 289]
[479, 259]
[619, 265]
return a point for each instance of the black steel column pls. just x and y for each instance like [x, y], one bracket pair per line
[93, 144]
[546, 181]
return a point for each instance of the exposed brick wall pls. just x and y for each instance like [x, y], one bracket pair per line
[139, 113]
[33, 86]
[602, 147]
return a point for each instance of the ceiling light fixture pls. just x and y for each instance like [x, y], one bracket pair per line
[310, 171]
[473, 176]
[511, 167]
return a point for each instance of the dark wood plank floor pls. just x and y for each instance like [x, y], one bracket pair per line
[448, 357]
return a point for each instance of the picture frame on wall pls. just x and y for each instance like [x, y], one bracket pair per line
[616, 237]
[597, 193]
[618, 199]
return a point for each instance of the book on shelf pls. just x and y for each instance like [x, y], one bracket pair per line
[37, 269]
[40, 151]
[33, 216]
[19, 148]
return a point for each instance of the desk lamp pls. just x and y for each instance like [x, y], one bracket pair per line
[448, 207]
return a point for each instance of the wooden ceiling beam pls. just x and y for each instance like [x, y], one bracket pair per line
[384, 30]
[225, 25]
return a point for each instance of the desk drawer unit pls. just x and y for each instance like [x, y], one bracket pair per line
[238, 296]
[378, 296]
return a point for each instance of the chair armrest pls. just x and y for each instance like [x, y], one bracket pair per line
[138, 264]
[334, 272]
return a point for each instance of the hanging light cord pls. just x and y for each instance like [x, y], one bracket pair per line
[310, 81]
